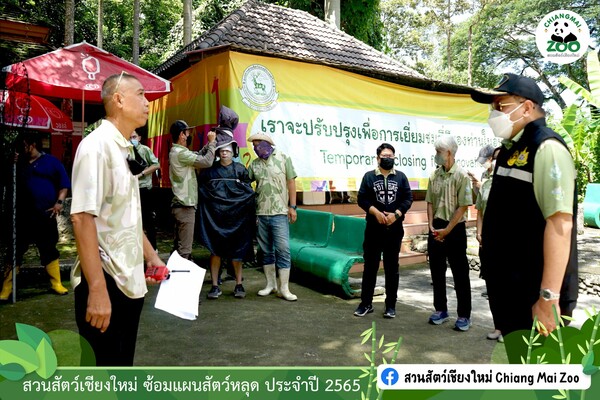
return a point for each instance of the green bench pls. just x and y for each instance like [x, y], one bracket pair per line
[312, 229]
[591, 205]
[332, 262]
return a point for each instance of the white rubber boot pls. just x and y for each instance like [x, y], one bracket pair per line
[284, 291]
[271, 276]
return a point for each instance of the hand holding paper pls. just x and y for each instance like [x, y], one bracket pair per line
[180, 293]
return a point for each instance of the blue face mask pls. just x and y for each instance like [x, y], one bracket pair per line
[135, 142]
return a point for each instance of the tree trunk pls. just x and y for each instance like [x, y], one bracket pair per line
[332, 12]
[449, 40]
[136, 32]
[69, 22]
[470, 57]
[100, 34]
[187, 21]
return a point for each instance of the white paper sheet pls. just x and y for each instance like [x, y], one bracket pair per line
[180, 294]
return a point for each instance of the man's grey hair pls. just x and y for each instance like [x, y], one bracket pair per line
[446, 142]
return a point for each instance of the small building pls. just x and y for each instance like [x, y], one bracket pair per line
[327, 99]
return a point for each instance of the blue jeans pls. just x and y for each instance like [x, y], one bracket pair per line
[274, 240]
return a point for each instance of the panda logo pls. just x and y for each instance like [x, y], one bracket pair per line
[562, 33]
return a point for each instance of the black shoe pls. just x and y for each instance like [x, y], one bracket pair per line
[239, 292]
[361, 310]
[214, 293]
[389, 313]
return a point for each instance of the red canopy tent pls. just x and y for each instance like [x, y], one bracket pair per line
[77, 72]
[32, 112]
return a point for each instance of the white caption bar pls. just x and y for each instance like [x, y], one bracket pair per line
[482, 376]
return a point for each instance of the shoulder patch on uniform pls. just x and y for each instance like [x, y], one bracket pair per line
[522, 158]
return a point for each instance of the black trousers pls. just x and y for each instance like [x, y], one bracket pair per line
[116, 346]
[40, 230]
[454, 250]
[380, 239]
[148, 215]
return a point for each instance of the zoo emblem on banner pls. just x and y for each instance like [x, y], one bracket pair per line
[258, 88]
[562, 37]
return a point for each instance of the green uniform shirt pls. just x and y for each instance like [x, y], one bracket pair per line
[483, 195]
[271, 176]
[147, 155]
[448, 191]
[553, 176]
[183, 176]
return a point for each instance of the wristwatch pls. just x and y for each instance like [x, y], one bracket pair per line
[548, 295]
[294, 207]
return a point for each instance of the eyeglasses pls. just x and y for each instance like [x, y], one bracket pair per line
[498, 106]
[119, 82]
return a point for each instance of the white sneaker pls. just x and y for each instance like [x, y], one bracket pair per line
[496, 335]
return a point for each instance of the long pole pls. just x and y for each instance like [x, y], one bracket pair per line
[14, 232]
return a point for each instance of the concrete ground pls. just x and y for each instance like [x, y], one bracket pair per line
[317, 330]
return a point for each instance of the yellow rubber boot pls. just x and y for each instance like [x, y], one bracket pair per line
[7, 285]
[53, 270]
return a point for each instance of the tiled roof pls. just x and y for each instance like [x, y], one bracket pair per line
[272, 30]
[266, 28]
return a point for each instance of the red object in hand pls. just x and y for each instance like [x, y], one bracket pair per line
[435, 233]
[159, 273]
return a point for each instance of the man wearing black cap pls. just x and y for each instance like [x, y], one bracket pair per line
[485, 159]
[182, 165]
[529, 241]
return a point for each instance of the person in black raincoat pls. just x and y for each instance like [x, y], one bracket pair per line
[226, 207]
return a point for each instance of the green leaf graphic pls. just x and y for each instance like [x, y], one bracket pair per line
[588, 359]
[591, 370]
[47, 359]
[31, 335]
[12, 371]
[14, 351]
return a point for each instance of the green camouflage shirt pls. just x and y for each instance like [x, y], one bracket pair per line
[483, 195]
[104, 187]
[271, 176]
[448, 191]
[147, 155]
[183, 176]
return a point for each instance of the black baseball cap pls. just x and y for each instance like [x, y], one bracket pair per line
[486, 152]
[511, 84]
[179, 126]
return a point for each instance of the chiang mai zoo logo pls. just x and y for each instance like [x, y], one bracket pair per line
[258, 88]
[562, 37]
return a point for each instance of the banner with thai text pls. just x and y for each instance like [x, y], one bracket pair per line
[329, 121]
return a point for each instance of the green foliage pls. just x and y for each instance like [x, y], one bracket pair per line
[358, 18]
[596, 155]
[499, 36]
[361, 19]
[576, 131]
[581, 123]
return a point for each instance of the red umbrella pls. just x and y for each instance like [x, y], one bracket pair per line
[32, 112]
[77, 72]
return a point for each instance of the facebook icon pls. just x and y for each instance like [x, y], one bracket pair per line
[389, 376]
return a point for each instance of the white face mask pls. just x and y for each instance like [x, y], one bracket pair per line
[486, 165]
[501, 124]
